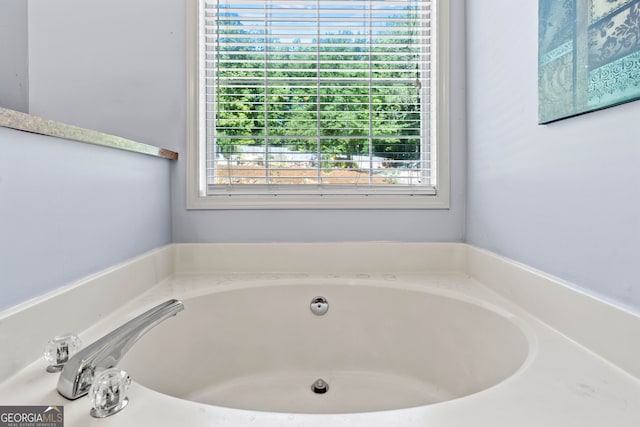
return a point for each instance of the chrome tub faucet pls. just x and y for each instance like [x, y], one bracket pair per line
[77, 374]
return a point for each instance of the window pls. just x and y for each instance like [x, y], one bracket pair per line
[317, 104]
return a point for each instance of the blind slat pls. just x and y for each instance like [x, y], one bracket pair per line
[322, 92]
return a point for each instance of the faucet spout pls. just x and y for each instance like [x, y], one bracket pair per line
[77, 374]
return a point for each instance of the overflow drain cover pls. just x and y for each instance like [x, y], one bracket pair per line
[319, 306]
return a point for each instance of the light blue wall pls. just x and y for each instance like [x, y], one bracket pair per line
[564, 197]
[69, 209]
[14, 58]
[115, 66]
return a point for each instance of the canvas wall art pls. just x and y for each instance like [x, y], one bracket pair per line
[588, 56]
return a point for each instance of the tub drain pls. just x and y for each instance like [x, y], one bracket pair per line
[320, 387]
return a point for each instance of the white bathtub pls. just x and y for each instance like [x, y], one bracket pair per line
[378, 348]
[439, 335]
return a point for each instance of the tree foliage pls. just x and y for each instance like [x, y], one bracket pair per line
[356, 98]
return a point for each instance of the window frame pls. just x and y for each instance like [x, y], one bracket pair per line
[197, 197]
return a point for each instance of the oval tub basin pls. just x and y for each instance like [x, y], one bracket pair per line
[377, 348]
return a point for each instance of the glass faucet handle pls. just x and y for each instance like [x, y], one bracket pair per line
[59, 349]
[107, 393]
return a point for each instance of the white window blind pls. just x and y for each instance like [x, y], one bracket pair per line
[330, 96]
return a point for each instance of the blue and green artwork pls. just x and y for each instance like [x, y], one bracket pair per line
[588, 56]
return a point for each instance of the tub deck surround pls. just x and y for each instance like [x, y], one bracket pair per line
[561, 383]
[349, 257]
[25, 328]
[607, 330]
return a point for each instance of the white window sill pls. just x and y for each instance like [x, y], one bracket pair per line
[227, 202]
